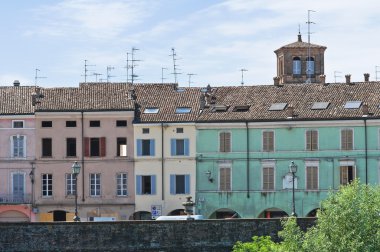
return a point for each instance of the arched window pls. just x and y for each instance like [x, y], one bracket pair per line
[296, 65]
[309, 65]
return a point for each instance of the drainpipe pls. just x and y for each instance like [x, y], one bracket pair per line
[82, 133]
[246, 126]
[162, 160]
[366, 151]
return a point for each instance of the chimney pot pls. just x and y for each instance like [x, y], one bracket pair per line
[276, 81]
[366, 77]
[290, 111]
[16, 83]
[365, 109]
[348, 78]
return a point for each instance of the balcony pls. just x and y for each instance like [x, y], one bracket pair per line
[15, 198]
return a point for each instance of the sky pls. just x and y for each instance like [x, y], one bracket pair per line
[213, 40]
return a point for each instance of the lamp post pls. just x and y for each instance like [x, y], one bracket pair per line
[293, 169]
[75, 171]
[189, 204]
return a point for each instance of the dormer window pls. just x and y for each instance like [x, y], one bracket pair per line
[151, 110]
[296, 66]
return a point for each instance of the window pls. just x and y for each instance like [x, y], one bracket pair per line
[225, 178]
[145, 147]
[182, 110]
[268, 141]
[179, 130]
[121, 146]
[347, 174]
[309, 65]
[346, 137]
[18, 182]
[18, 146]
[179, 184]
[320, 105]
[95, 184]
[71, 124]
[47, 185]
[95, 147]
[268, 178]
[71, 147]
[151, 110]
[277, 106]
[224, 141]
[296, 65]
[121, 123]
[311, 140]
[180, 147]
[18, 124]
[146, 184]
[46, 124]
[311, 177]
[145, 130]
[121, 189]
[95, 123]
[46, 147]
[70, 184]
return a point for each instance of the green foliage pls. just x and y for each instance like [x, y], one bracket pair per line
[349, 221]
[259, 244]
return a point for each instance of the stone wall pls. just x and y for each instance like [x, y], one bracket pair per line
[204, 235]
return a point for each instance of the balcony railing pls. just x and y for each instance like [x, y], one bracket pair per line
[15, 198]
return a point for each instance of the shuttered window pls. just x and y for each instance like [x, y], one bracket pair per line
[179, 184]
[347, 174]
[225, 179]
[146, 184]
[95, 147]
[225, 142]
[311, 178]
[268, 141]
[179, 147]
[311, 140]
[145, 147]
[347, 139]
[268, 178]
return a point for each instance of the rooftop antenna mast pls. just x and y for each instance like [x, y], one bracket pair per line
[242, 75]
[175, 73]
[96, 76]
[162, 74]
[376, 71]
[86, 70]
[109, 69]
[36, 77]
[128, 66]
[308, 61]
[190, 74]
[336, 75]
[133, 65]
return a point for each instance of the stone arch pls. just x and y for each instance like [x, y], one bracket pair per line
[224, 213]
[313, 213]
[272, 212]
[141, 215]
[13, 216]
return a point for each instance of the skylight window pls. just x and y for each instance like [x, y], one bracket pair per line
[320, 105]
[151, 110]
[182, 110]
[181, 89]
[241, 108]
[353, 104]
[219, 108]
[277, 106]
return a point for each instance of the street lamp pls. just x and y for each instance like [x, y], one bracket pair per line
[293, 169]
[189, 204]
[75, 171]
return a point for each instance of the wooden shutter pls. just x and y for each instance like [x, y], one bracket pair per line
[312, 178]
[172, 184]
[186, 147]
[153, 184]
[152, 148]
[138, 185]
[187, 184]
[173, 147]
[225, 179]
[102, 146]
[225, 142]
[86, 146]
[268, 178]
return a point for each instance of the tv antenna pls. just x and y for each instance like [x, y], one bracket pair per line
[242, 75]
[133, 65]
[109, 69]
[308, 61]
[128, 66]
[175, 73]
[162, 74]
[336, 75]
[96, 76]
[86, 70]
[376, 71]
[36, 77]
[190, 74]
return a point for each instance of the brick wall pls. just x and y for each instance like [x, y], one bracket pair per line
[205, 235]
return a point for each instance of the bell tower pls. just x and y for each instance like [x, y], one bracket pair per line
[300, 62]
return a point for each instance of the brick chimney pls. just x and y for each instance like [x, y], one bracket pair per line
[348, 79]
[366, 77]
[322, 78]
[365, 110]
[290, 111]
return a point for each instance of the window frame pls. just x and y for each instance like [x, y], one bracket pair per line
[308, 166]
[264, 141]
[18, 121]
[70, 184]
[122, 184]
[174, 147]
[141, 151]
[71, 124]
[46, 124]
[48, 183]
[309, 146]
[344, 138]
[186, 184]
[46, 149]
[223, 143]
[121, 123]
[265, 182]
[296, 66]
[94, 124]
[224, 186]
[70, 149]
[139, 184]
[95, 185]
[119, 143]
[23, 147]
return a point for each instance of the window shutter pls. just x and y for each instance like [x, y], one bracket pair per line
[153, 183]
[187, 184]
[186, 146]
[173, 147]
[152, 147]
[172, 184]
[138, 185]
[221, 142]
[227, 141]
[86, 146]
[139, 147]
[102, 146]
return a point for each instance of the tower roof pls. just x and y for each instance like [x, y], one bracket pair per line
[300, 44]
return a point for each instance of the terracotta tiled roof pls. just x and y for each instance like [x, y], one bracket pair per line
[16, 100]
[300, 96]
[89, 96]
[300, 44]
[167, 97]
